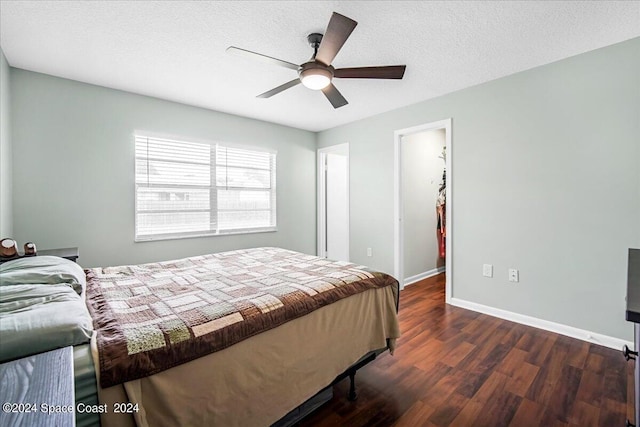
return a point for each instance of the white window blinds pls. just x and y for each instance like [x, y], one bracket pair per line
[186, 189]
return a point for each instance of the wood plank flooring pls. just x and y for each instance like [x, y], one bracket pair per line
[455, 367]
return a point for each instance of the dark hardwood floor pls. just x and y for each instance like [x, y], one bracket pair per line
[455, 367]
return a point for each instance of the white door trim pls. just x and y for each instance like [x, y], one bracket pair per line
[322, 196]
[398, 233]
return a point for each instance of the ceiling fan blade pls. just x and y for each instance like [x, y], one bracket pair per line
[261, 57]
[338, 31]
[334, 96]
[277, 90]
[388, 72]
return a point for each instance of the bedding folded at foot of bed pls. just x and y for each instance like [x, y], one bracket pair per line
[41, 306]
[36, 318]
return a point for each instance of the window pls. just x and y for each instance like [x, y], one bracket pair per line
[186, 189]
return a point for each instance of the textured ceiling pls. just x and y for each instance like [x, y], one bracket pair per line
[176, 50]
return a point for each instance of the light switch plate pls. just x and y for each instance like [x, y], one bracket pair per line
[487, 270]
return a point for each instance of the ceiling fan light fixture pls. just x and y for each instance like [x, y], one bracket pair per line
[315, 76]
[315, 81]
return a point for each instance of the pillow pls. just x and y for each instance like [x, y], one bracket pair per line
[49, 270]
[36, 318]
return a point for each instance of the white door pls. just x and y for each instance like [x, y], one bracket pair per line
[337, 206]
[333, 202]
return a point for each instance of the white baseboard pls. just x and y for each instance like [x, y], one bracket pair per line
[413, 279]
[570, 331]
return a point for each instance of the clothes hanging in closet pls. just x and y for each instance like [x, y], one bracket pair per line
[441, 213]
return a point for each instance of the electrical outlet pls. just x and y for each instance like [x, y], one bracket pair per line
[487, 270]
[514, 275]
[369, 252]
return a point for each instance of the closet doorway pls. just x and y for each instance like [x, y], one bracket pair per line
[422, 170]
[333, 202]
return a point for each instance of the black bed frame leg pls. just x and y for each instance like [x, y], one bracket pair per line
[352, 387]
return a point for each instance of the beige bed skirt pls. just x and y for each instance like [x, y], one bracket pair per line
[259, 380]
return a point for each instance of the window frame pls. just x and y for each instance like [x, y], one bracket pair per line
[213, 189]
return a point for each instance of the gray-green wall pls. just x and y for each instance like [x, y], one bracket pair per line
[73, 170]
[6, 197]
[546, 179]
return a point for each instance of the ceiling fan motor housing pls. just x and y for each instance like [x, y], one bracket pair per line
[316, 67]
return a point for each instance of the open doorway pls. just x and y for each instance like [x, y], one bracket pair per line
[333, 202]
[411, 136]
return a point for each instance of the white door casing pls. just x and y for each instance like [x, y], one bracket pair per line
[398, 256]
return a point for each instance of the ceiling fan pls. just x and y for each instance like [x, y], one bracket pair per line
[318, 72]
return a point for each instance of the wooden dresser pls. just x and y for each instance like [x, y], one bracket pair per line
[38, 390]
[71, 254]
[633, 315]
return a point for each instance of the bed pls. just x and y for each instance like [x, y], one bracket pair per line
[236, 338]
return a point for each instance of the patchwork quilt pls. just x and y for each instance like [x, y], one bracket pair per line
[151, 317]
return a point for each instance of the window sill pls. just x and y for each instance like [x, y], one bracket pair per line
[200, 235]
